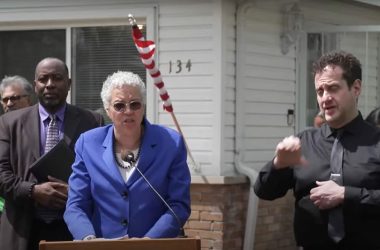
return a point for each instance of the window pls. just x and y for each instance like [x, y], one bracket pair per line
[317, 44]
[22, 50]
[95, 53]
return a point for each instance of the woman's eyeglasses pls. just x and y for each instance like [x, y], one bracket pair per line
[13, 98]
[122, 107]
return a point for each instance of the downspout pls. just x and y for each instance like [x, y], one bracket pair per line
[251, 173]
[250, 223]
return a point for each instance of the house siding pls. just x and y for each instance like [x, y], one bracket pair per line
[228, 73]
[187, 31]
[266, 83]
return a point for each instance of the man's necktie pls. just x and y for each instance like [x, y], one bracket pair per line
[52, 138]
[52, 135]
[336, 221]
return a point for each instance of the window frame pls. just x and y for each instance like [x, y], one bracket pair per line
[70, 16]
[302, 53]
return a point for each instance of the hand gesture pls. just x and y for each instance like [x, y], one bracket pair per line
[288, 153]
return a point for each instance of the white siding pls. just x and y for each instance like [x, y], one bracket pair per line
[266, 83]
[228, 85]
[363, 45]
[186, 30]
[366, 48]
[339, 12]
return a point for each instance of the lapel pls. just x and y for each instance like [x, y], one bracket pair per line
[31, 124]
[109, 159]
[71, 122]
[149, 150]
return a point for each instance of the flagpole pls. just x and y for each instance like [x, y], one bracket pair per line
[195, 166]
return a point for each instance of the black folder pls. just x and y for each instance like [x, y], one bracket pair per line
[56, 163]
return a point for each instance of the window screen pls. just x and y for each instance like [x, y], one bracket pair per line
[96, 53]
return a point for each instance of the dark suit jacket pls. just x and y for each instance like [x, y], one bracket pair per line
[19, 148]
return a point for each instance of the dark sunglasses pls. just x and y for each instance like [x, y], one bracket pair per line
[122, 107]
[13, 98]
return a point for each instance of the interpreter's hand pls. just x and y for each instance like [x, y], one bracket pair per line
[63, 190]
[327, 195]
[50, 194]
[288, 153]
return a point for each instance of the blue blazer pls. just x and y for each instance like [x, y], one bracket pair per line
[101, 203]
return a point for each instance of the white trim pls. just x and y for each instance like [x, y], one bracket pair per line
[219, 89]
[365, 74]
[53, 16]
[301, 90]
[240, 69]
[312, 27]
[152, 34]
[68, 62]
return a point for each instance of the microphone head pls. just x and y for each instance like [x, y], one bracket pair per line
[129, 158]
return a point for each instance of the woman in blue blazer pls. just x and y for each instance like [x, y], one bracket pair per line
[121, 169]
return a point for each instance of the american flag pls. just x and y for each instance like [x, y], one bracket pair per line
[146, 50]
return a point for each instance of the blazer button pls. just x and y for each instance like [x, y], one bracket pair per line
[124, 222]
[124, 194]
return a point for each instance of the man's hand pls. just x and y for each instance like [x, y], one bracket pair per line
[327, 195]
[64, 190]
[288, 153]
[51, 194]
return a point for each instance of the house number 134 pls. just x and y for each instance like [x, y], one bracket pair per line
[178, 66]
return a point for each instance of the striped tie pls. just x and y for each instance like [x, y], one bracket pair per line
[52, 135]
[52, 138]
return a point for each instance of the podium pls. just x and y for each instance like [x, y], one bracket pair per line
[130, 244]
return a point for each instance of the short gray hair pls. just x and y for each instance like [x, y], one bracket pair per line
[16, 80]
[118, 80]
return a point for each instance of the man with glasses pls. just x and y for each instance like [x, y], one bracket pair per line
[34, 210]
[16, 92]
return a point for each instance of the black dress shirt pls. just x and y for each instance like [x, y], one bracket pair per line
[361, 179]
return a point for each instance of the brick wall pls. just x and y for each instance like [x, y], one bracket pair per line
[274, 226]
[218, 215]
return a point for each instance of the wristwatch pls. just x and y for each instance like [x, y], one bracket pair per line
[30, 191]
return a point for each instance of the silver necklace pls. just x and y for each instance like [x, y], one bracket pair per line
[129, 160]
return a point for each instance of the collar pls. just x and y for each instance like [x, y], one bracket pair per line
[44, 114]
[352, 127]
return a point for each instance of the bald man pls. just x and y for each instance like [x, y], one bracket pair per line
[34, 210]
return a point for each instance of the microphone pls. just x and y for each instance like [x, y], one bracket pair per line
[131, 159]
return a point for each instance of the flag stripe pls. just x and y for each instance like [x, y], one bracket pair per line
[146, 50]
